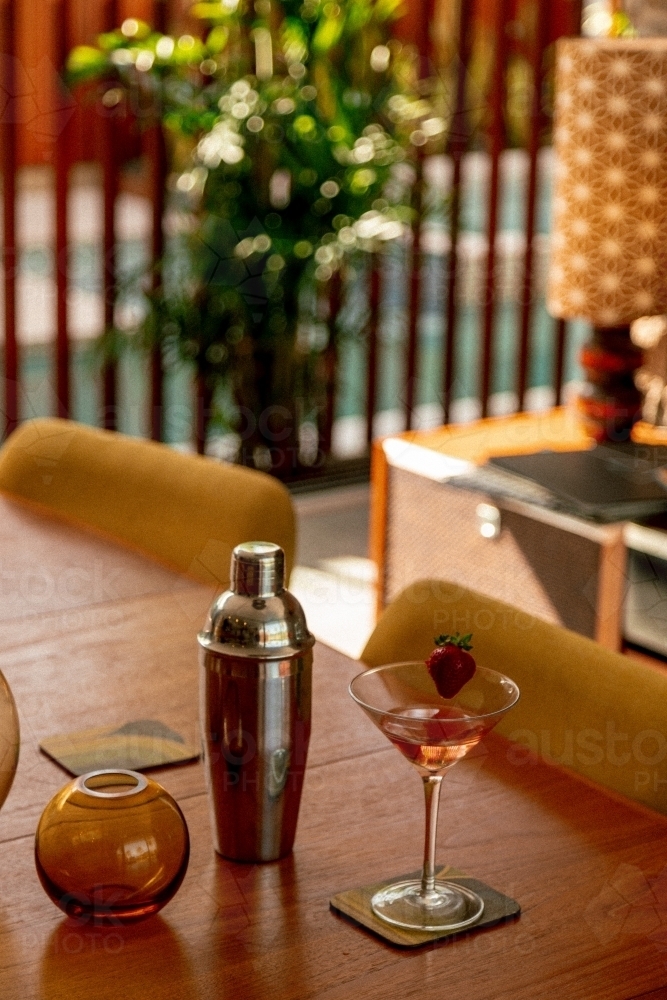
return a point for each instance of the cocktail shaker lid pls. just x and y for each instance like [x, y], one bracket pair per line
[256, 617]
[258, 569]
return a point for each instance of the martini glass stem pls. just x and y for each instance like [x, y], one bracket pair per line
[432, 783]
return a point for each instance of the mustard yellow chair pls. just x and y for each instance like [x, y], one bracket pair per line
[186, 511]
[599, 713]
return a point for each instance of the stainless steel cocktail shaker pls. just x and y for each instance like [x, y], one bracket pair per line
[256, 671]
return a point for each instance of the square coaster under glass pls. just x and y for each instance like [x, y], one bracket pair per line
[356, 904]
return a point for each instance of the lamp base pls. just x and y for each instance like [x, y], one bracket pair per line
[610, 402]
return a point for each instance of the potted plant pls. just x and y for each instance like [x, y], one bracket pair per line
[287, 127]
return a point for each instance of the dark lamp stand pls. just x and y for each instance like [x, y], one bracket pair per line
[610, 402]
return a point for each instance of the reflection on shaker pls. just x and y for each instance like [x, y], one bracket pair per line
[278, 771]
[232, 727]
[256, 674]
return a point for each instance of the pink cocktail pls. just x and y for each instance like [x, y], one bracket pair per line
[433, 733]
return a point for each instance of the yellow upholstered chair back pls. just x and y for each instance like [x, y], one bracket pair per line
[599, 713]
[186, 511]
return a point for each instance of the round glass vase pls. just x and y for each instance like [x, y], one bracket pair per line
[112, 847]
[9, 739]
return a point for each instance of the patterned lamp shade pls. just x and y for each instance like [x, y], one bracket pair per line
[609, 234]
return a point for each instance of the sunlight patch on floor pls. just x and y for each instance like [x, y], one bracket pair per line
[339, 601]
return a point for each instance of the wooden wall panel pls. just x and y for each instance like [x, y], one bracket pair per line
[37, 72]
[37, 98]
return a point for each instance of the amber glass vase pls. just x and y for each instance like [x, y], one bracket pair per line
[111, 847]
[9, 739]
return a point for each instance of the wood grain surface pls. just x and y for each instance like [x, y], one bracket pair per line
[589, 870]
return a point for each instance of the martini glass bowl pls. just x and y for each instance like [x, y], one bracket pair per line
[433, 733]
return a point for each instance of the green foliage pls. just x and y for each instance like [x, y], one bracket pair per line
[621, 26]
[288, 126]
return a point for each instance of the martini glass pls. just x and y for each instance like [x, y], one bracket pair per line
[433, 733]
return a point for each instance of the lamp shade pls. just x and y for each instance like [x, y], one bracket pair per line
[609, 230]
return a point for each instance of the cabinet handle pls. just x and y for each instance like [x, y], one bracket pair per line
[488, 520]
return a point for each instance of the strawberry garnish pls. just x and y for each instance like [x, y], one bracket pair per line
[450, 664]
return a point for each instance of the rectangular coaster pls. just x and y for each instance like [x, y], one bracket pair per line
[356, 904]
[134, 746]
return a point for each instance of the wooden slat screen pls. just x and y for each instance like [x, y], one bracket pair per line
[76, 132]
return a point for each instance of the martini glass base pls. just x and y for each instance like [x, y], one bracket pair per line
[450, 907]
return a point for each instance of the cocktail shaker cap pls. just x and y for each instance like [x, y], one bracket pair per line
[258, 569]
[256, 617]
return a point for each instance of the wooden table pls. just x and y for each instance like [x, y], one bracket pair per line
[92, 634]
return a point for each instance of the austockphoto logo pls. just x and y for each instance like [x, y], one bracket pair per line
[34, 584]
[236, 260]
[481, 620]
[24, 101]
[74, 941]
[589, 747]
[630, 903]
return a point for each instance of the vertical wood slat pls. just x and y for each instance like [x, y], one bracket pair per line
[577, 15]
[203, 406]
[560, 330]
[110, 172]
[427, 8]
[157, 154]
[61, 14]
[414, 291]
[158, 182]
[561, 325]
[458, 141]
[161, 15]
[330, 358]
[537, 122]
[497, 136]
[110, 181]
[10, 257]
[379, 501]
[374, 296]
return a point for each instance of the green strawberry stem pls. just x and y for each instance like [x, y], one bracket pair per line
[462, 641]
